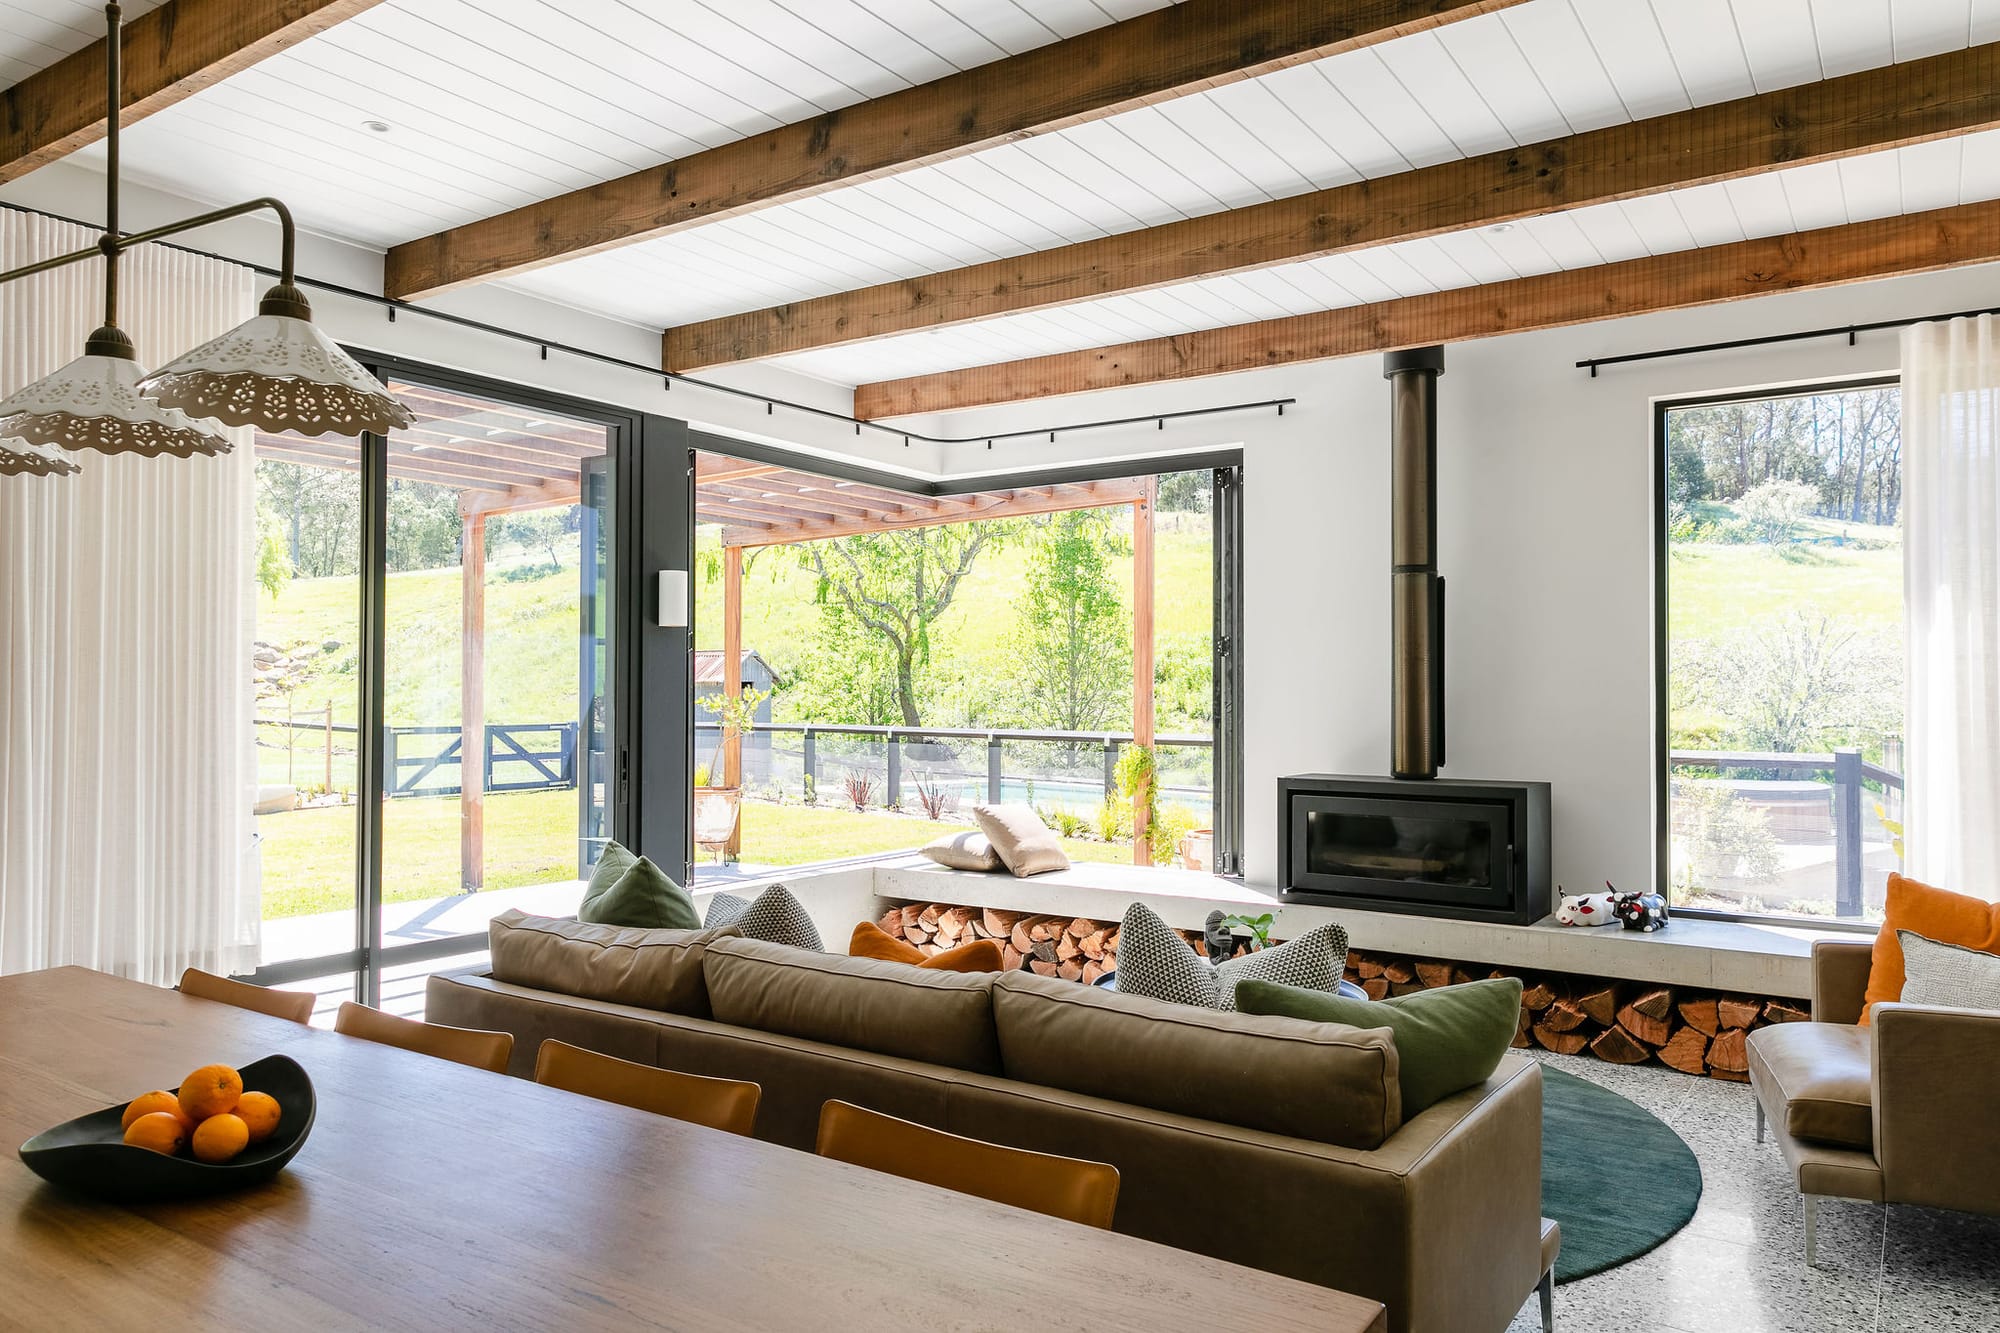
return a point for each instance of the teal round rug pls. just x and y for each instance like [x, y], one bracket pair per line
[1618, 1180]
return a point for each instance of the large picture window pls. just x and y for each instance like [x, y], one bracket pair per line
[1781, 643]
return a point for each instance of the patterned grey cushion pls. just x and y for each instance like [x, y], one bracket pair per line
[774, 915]
[1948, 974]
[1153, 960]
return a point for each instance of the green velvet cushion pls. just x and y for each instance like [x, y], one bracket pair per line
[635, 892]
[1446, 1039]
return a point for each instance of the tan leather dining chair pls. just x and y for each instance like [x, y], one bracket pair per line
[466, 1046]
[293, 1004]
[719, 1103]
[1065, 1187]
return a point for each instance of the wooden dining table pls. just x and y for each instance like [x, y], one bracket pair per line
[435, 1196]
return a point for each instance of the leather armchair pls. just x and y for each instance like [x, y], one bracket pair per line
[1888, 1113]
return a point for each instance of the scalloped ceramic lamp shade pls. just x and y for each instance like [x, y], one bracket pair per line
[278, 372]
[21, 458]
[94, 402]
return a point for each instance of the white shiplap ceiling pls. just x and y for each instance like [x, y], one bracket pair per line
[496, 104]
[35, 34]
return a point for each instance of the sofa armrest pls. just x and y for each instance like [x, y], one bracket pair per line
[1936, 1075]
[1840, 979]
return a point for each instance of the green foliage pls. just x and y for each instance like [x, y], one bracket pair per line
[274, 566]
[1174, 822]
[738, 716]
[1073, 636]
[1722, 837]
[1138, 779]
[1845, 447]
[534, 532]
[895, 586]
[1184, 681]
[1772, 510]
[1186, 492]
[1258, 926]
[424, 526]
[1804, 680]
[1114, 820]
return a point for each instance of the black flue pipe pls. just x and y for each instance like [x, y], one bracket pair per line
[1416, 733]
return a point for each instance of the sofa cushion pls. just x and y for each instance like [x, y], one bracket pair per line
[871, 941]
[914, 1013]
[1320, 1081]
[1821, 1072]
[641, 895]
[1020, 839]
[1447, 1039]
[653, 969]
[773, 915]
[1154, 961]
[1935, 914]
[970, 850]
[1948, 974]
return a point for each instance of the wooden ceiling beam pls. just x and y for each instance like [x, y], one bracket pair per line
[1885, 247]
[1167, 53]
[1871, 111]
[786, 499]
[170, 54]
[715, 467]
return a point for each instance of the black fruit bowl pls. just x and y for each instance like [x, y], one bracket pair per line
[89, 1154]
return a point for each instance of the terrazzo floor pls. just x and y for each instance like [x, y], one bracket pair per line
[1739, 1265]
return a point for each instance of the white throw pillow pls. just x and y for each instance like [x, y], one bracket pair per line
[1948, 974]
[969, 850]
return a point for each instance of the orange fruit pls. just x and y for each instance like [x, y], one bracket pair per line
[148, 1102]
[258, 1110]
[161, 1131]
[210, 1090]
[220, 1137]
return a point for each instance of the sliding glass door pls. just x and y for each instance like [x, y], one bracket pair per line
[469, 724]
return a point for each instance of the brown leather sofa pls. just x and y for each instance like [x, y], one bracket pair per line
[1895, 1112]
[1269, 1142]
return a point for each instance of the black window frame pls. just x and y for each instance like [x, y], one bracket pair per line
[1662, 723]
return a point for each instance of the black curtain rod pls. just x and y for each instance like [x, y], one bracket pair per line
[1849, 330]
[669, 377]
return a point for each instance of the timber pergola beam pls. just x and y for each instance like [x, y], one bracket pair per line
[1871, 111]
[1830, 256]
[1170, 52]
[170, 53]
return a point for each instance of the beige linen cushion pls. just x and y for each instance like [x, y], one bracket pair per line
[912, 1013]
[1021, 840]
[1321, 1081]
[649, 968]
[969, 850]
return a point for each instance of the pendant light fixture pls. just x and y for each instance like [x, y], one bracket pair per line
[277, 372]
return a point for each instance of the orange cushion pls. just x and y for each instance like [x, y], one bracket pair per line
[1936, 914]
[871, 941]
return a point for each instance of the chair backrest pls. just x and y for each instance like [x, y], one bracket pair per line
[296, 1005]
[1066, 1187]
[719, 1103]
[466, 1046]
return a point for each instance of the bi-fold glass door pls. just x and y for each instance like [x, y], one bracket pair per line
[453, 664]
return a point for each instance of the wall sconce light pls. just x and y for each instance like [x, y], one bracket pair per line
[673, 599]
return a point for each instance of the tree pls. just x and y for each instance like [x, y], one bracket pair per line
[1073, 639]
[1774, 508]
[1804, 680]
[896, 585]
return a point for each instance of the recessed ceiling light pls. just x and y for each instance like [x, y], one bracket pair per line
[1501, 226]
[375, 126]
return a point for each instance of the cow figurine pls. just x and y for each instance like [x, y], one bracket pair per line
[1586, 909]
[1641, 910]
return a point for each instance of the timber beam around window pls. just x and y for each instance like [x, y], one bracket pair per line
[1874, 110]
[1830, 256]
[1170, 52]
[169, 53]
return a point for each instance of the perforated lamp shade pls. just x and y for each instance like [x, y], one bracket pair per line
[278, 372]
[94, 403]
[20, 458]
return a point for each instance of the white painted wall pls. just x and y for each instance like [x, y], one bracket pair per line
[1544, 506]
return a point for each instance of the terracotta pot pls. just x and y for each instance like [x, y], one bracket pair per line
[1197, 849]
[716, 811]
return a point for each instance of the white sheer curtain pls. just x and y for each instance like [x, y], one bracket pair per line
[127, 761]
[1951, 576]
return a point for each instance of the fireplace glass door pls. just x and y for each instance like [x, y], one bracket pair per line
[1438, 851]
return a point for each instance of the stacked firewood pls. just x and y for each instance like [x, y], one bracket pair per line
[1698, 1032]
[1073, 948]
[1695, 1031]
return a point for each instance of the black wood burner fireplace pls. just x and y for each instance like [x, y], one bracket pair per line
[1434, 847]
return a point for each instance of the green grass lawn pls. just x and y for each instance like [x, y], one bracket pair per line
[308, 855]
[1714, 588]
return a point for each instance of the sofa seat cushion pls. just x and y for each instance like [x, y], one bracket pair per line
[1820, 1071]
[912, 1013]
[1320, 1081]
[653, 969]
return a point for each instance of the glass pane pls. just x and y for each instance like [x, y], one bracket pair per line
[496, 694]
[1785, 652]
[1438, 850]
[307, 663]
[910, 657]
